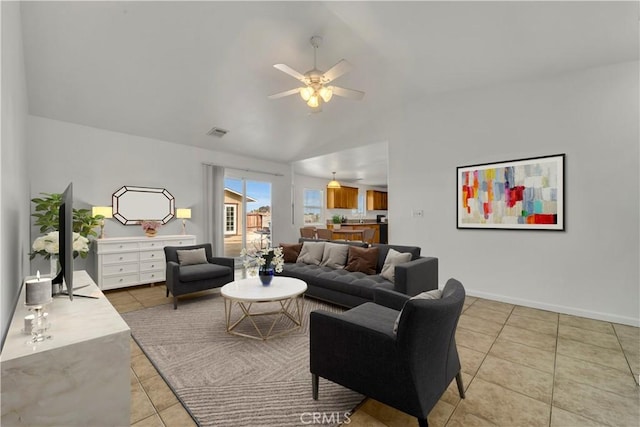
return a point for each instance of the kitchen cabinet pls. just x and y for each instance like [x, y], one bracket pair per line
[377, 200]
[342, 198]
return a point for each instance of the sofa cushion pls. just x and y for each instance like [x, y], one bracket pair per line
[351, 283]
[393, 258]
[191, 273]
[192, 256]
[434, 294]
[334, 255]
[362, 259]
[384, 249]
[373, 316]
[311, 253]
[290, 251]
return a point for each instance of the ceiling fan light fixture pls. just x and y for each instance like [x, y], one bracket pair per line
[326, 92]
[313, 101]
[333, 183]
[306, 92]
[314, 90]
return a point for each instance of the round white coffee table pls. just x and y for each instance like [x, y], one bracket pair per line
[247, 292]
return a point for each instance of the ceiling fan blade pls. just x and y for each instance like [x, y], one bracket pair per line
[285, 93]
[348, 93]
[342, 67]
[293, 73]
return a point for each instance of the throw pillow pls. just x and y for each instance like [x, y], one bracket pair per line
[290, 251]
[192, 256]
[362, 259]
[334, 255]
[393, 258]
[434, 294]
[311, 253]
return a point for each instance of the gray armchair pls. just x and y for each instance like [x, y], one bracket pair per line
[410, 370]
[186, 279]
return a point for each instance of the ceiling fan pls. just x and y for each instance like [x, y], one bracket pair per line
[316, 89]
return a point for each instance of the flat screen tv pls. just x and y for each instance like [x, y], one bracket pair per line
[65, 239]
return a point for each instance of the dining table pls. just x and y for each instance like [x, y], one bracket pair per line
[348, 234]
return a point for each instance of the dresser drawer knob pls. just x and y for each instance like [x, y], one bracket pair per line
[121, 269]
[152, 255]
[121, 280]
[153, 265]
[121, 258]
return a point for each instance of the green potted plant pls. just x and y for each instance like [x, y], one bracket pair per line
[337, 220]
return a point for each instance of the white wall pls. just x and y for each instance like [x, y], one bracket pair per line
[14, 181]
[99, 162]
[591, 269]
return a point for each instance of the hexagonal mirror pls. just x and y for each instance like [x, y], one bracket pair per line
[132, 205]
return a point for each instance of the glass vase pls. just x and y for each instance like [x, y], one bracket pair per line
[266, 275]
[53, 266]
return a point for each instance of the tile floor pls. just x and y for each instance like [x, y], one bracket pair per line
[521, 367]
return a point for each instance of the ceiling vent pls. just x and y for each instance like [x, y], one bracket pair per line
[219, 132]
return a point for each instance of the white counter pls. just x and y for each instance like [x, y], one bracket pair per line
[79, 377]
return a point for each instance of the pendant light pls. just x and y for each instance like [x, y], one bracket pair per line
[333, 183]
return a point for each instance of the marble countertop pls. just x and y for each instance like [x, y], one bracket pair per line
[68, 320]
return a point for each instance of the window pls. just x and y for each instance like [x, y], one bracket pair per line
[247, 214]
[230, 219]
[361, 205]
[312, 206]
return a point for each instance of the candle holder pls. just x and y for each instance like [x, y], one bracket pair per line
[39, 325]
[37, 296]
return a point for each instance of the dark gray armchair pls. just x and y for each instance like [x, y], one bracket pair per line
[185, 279]
[410, 370]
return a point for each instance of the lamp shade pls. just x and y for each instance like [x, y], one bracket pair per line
[183, 213]
[313, 101]
[333, 183]
[105, 211]
[326, 92]
[306, 92]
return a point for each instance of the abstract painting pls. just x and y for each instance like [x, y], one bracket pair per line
[523, 194]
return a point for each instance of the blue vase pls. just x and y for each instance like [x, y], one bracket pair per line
[266, 276]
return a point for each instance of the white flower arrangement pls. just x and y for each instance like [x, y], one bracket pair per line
[262, 259]
[49, 245]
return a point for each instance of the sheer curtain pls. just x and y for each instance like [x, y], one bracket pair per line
[214, 207]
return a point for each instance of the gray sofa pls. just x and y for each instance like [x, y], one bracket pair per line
[350, 289]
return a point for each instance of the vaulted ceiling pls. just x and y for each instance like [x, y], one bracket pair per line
[173, 70]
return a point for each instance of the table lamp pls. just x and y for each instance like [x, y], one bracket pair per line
[106, 212]
[183, 214]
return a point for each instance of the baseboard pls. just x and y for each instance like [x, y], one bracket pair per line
[608, 317]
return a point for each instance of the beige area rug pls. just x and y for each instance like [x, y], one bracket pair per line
[227, 380]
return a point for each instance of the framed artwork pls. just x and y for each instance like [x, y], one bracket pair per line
[524, 194]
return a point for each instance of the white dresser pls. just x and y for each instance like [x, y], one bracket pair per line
[129, 261]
